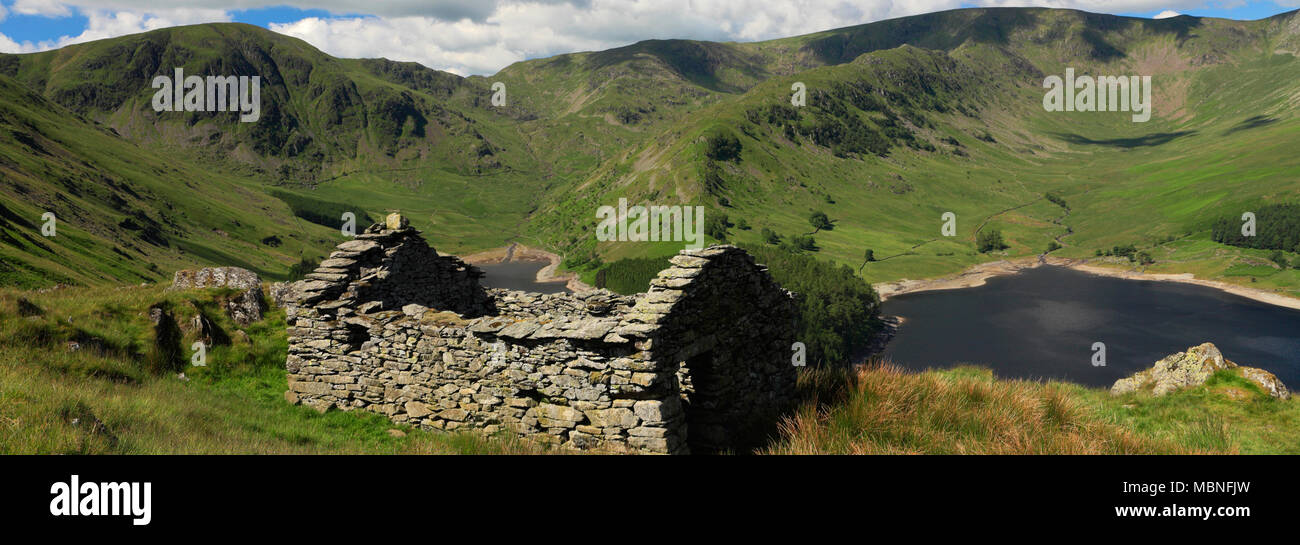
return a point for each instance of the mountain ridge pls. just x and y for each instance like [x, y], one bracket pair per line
[907, 118]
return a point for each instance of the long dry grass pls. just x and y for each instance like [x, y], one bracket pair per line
[880, 409]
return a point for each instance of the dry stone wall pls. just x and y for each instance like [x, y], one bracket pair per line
[699, 362]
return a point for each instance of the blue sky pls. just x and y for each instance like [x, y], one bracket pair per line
[1242, 10]
[483, 36]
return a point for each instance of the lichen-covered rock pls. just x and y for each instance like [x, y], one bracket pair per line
[216, 277]
[1193, 367]
[396, 222]
[1267, 381]
[247, 307]
[282, 292]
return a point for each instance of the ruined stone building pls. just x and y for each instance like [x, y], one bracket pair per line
[700, 362]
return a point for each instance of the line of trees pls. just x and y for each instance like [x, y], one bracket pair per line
[839, 311]
[632, 275]
[327, 213]
[1057, 200]
[1277, 227]
[1129, 251]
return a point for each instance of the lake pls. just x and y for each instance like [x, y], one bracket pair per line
[519, 275]
[1042, 323]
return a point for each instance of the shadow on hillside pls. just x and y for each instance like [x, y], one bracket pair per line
[1251, 123]
[947, 30]
[1153, 139]
[697, 62]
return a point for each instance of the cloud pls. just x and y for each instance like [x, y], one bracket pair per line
[484, 36]
[516, 31]
[519, 30]
[449, 10]
[102, 24]
[41, 7]
[1166, 14]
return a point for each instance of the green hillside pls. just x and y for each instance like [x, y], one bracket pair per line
[895, 135]
[905, 120]
[124, 213]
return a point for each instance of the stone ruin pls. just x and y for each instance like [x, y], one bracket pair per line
[700, 362]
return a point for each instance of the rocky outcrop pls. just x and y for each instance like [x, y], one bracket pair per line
[216, 277]
[387, 325]
[244, 308]
[1267, 381]
[1194, 367]
[281, 293]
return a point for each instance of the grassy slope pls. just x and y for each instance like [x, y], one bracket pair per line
[51, 398]
[94, 181]
[1224, 106]
[331, 129]
[884, 410]
[583, 129]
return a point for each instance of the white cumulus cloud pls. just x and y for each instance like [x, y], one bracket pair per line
[41, 7]
[484, 36]
[102, 24]
[1166, 14]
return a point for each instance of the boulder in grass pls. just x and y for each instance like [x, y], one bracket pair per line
[244, 308]
[216, 277]
[1193, 367]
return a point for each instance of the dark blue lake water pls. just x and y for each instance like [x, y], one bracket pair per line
[519, 275]
[1042, 323]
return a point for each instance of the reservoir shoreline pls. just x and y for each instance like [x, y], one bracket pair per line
[979, 274]
[1052, 323]
[519, 252]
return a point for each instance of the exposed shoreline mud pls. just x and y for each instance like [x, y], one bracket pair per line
[979, 274]
[969, 278]
[519, 252]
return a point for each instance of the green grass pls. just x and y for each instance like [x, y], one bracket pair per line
[105, 398]
[1227, 410]
[1127, 183]
[51, 397]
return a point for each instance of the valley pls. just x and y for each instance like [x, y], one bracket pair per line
[921, 158]
[902, 125]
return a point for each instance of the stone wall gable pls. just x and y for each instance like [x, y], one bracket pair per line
[729, 329]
